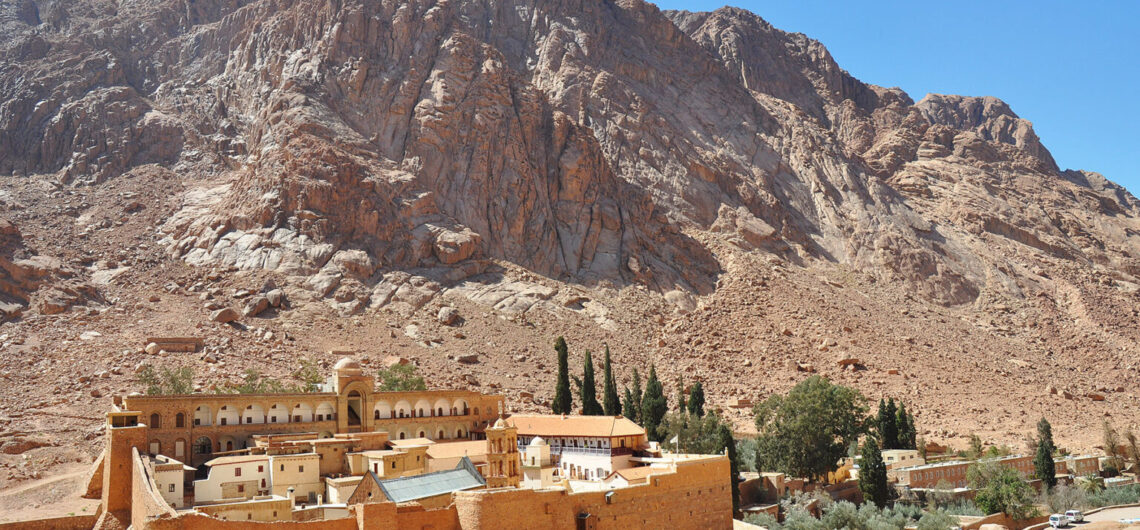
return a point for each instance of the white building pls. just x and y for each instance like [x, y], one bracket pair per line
[538, 470]
[246, 476]
[583, 447]
[170, 478]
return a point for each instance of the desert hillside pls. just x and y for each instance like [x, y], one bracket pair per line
[459, 182]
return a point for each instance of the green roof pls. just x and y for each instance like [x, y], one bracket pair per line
[404, 489]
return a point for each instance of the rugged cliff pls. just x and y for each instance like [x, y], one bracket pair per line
[677, 181]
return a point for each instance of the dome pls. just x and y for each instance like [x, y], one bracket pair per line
[536, 442]
[347, 364]
[500, 424]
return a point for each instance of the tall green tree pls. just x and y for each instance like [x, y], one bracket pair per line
[887, 424]
[728, 443]
[697, 400]
[169, 381]
[873, 474]
[1000, 489]
[807, 431]
[1043, 459]
[907, 430]
[563, 400]
[590, 405]
[653, 405]
[681, 407]
[611, 403]
[629, 407]
[632, 405]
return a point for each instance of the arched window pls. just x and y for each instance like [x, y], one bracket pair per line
[376, 414]
[440, 435]
[203, 446]
[155, 420]
[180, 420]
[402, 435]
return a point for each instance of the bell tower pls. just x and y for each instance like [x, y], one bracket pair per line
[503, 463]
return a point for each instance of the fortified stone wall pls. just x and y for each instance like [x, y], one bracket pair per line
[146, 502]
[698, 496]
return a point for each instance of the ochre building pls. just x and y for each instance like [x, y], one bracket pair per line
[192, 428]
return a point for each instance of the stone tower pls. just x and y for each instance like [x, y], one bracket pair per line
[503, 465]
[538, 470]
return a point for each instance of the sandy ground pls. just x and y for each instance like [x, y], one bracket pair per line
[53, 496]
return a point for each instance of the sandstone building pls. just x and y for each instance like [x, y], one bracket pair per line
[341, 468]
[192, 428]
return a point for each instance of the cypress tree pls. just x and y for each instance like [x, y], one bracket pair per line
[873, 474]
[637, 395]
[563, 400]
[610, 400]
[590, 405]
[681, 407]
[629, 406]
[653, 405]
[888, 429]
[727, 442]
[697, 400]
[1043, 460]
[907, 432]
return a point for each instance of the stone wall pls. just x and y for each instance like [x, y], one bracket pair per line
[697, 496]
[74, 522]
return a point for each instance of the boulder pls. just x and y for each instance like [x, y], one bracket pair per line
[470, 379]
[276, 297]
[255, 306]
[224, 315]
[470, 358]
[151, 349]
[448, 316]
[393, 360]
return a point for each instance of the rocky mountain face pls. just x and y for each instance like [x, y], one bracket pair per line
[606, 161]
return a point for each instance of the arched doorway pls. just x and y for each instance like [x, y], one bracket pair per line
[355, 407]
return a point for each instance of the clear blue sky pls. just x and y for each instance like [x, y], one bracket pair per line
[1072, 68]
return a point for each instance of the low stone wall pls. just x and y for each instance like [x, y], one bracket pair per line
[72, 522]
[1044, 525]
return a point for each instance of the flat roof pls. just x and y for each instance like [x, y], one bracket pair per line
[474, 448]
[548, 425]
[411, 442]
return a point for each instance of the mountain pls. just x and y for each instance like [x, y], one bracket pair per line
[700, 190]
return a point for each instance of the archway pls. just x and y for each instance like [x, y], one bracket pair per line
[383, 411]
[278, 414]
[253, 414]
[423, 409]
[355, 407]
[302, 413]
[203, 416]
[442, 407]
[228, 415]
[325, 412]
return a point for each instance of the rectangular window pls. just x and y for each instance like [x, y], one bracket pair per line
[249, 419]
[282, 467]
[171, 488]
[237, 471]
[260, 469]
[241, 488]
[300, 469]
[223, 421]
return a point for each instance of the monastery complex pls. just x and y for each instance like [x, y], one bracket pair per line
[349, 457]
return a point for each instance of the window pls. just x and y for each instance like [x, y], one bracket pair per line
[393, 464]
[155, 421]
[249, 419]
[263, 483]
[282, 467]
[241, 488]
[237, 471]
[260, 469]
[223, 422]
[171, 488]
[180, 420]
[300, 469]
